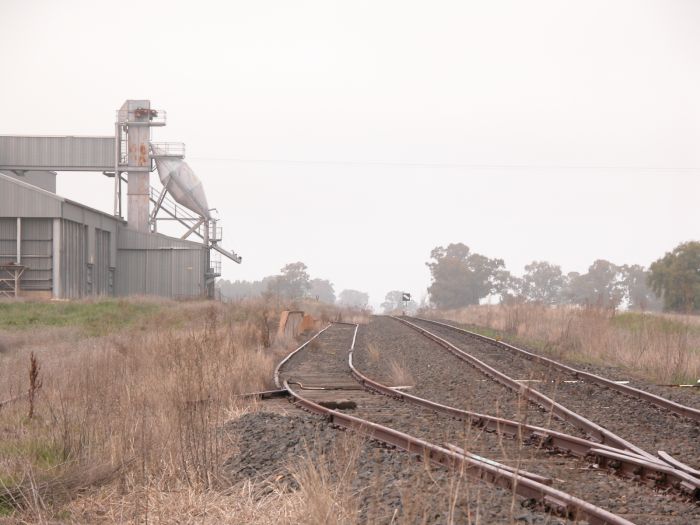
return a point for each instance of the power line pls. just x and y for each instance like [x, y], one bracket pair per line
[448, 165]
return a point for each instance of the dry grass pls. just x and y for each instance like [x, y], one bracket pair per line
[399, 374]
[324, 482]
[126, 428]
[373, 353]
[125, 424]
[663, 348]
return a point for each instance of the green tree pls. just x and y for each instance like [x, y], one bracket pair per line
[676, 278]
[461, 278]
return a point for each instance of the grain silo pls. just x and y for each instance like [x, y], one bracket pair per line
[51, 246]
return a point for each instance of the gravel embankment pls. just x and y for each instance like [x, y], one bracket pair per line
[386, 485]
[394, 341]
[640, 422]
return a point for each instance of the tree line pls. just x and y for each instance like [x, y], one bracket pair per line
[292, 283]
[460, 277]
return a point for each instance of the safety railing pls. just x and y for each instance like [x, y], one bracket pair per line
[167, 149]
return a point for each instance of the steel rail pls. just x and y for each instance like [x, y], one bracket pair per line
[625, 463]
[551, 499]
[536, 477]
[291, 354]
[489, 471]
[595, 431]
[677, 408]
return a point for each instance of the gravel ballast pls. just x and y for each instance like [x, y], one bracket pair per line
[651, 427]
[327, 362]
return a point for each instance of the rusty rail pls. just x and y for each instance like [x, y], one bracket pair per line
[291, 354]
[625, 463]
[677, 408]
[475, 467]
[549, 498]
[595, 431]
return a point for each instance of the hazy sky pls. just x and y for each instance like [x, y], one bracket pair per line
[356, 136]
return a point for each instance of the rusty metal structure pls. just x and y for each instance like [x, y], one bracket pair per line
[70, 250]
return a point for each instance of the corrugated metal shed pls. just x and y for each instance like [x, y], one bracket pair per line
[75, 251]
[156, 264]
[19, 199]
[56, 153]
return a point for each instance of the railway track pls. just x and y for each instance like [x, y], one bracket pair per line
[539, 464]
[661, 428]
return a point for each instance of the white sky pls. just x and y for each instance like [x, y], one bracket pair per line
[357, 136]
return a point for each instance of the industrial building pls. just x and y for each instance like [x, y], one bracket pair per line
[53, 247]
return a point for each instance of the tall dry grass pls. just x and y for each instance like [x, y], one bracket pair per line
[662, 348]
[127, 423]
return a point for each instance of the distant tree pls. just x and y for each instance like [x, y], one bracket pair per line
[600, 286]
[543, 282]
[574, 289]
[509, 287]
[605, 281]
[638, 294]
[238, 290]
[676, 278]
[394, 301]
[294, 281]
[461, 278]
[353, 298]
[322, 290]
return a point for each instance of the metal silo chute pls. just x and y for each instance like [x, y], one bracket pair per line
[183, 185]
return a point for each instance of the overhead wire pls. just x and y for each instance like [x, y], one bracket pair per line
[449, 165]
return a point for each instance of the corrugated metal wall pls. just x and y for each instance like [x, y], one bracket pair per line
[45, 180]
[57, 153]
[102, 263]
[165, 272]
[156, 264]
[73, 260]
[19, 199]
[37, 243]
[8, 240]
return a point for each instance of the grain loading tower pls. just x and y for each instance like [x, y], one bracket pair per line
[54, 247]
